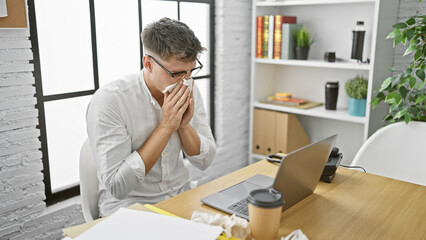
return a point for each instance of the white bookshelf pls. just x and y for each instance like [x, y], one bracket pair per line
[331, 23]
[320, 111]
[273, 3]
[317, 63]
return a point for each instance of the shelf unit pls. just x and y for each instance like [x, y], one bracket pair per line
[316, 63]
[330, 23]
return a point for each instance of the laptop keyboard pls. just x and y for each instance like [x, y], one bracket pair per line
[240, 207]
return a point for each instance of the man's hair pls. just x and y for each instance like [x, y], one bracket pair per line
[171, 38]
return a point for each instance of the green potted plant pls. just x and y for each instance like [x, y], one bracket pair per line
[356, 88]
[405, 91]
[303, 43]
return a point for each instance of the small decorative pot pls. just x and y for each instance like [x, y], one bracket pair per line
[301, 53]
[357, 107]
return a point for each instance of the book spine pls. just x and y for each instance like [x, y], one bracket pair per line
[271, 37]
[265, 36]
[289, 19]
[287, 49]
[259, 36]
[284, 41]
[277, 36]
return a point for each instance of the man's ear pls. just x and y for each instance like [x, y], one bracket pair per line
[147, 64]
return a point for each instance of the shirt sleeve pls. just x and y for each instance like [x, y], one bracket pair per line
[119, 168]
[201, 126]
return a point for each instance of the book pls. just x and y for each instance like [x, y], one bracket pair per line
[289, 19]
[265, 36]
[288, 40]
[286, 101]
[271, 37]
[259, 36]
[278, 21]
[282, 96]
[277, 37]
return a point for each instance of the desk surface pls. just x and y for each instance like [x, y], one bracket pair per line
[355, 205]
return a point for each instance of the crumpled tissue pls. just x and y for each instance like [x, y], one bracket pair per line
[232, 226]
[187, 82]
[296, 235]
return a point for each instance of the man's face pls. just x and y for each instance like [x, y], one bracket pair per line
[161, 79]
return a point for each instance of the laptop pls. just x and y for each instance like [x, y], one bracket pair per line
[297, 178]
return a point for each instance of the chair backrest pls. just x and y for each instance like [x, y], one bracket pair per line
[397, 151]
[89, 184]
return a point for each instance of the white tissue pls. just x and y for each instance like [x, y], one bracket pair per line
[187, 82]
[296, 235]
[232, 226]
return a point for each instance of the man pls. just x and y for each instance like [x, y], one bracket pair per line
[138, 125]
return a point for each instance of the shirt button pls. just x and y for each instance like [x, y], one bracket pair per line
[165, 177]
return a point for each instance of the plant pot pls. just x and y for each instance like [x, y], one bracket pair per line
[301, 53]
[357, 107]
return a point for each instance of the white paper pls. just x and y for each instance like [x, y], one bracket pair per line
[3, 8]
[232, 226]
[131, 224]
[187, 82]
[295, 235]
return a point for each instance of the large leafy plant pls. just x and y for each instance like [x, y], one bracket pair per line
[405, 91]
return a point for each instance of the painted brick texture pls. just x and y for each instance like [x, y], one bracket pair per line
[232, 87]
[22, 207]
[22, 188]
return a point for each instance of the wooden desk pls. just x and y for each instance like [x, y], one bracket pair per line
[355, 205]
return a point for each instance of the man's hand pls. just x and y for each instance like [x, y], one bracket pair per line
[189, 113]
[175, 104]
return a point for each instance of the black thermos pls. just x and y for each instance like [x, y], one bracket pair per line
[331, 93]
[358, 41]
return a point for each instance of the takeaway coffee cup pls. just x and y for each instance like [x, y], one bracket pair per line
[265, 207]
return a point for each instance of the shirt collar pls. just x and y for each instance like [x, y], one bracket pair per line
[145, 87]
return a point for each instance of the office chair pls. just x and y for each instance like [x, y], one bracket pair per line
[397, 151]
[89, 184]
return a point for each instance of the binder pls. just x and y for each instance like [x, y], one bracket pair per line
[263, 132]
[277, 132]
[290, 134]
[269, 132]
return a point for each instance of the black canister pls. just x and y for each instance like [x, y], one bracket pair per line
[331, 93]
[358, 41]
[330, 56]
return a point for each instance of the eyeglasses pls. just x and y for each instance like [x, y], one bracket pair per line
[180, 75]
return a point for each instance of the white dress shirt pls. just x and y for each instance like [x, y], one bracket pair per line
[120, 118]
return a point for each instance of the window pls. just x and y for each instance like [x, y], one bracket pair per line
[78, 50]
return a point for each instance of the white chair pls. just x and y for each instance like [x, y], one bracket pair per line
[397, 151]
[89, 184]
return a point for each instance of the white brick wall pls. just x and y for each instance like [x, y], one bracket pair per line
[22, 188]
[23, 214]
[232, 63]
